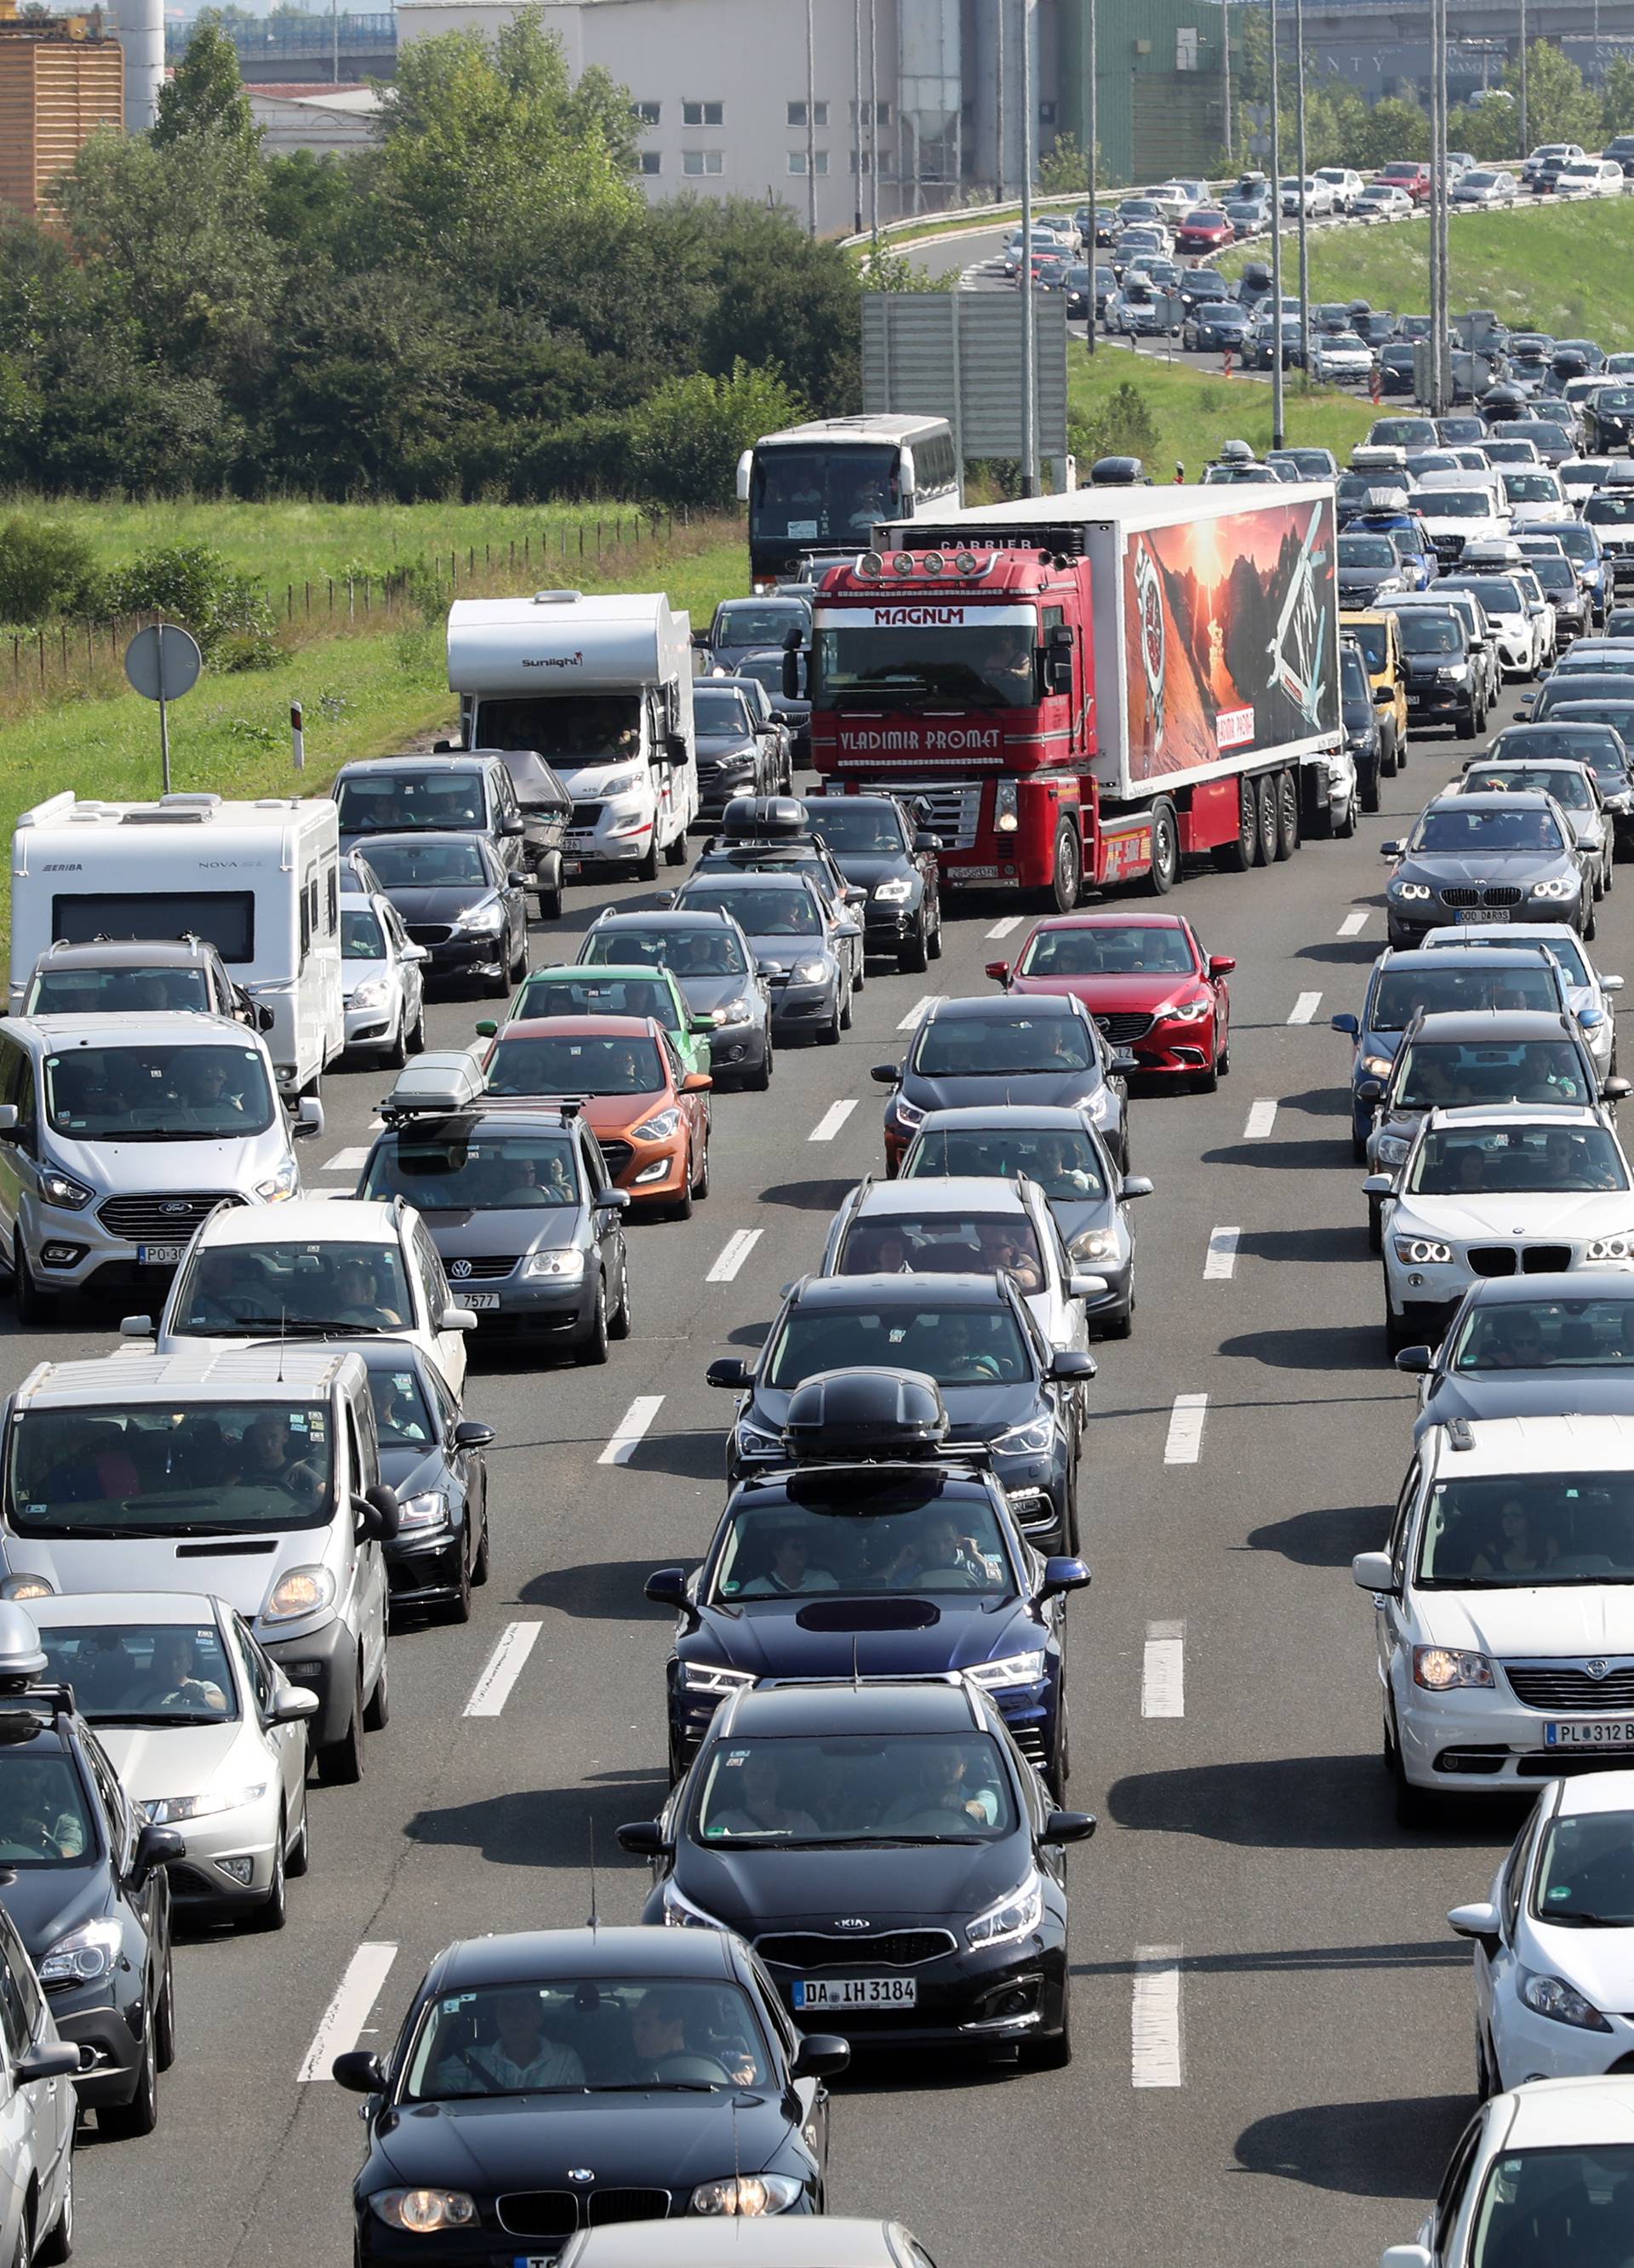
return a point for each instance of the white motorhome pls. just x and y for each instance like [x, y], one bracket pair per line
[601, 687]
[260, 881]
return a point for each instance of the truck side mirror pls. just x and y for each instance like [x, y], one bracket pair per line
[791, 674]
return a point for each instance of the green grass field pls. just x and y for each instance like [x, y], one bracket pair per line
[1568, 269]
[1193, 415]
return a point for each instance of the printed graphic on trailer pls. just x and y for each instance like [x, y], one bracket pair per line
[1230, 625]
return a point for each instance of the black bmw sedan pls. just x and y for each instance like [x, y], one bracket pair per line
[890, 1856]
[558, 2079]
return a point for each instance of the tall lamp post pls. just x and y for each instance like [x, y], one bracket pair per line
[811, 123]
[1029, 342]
[1305, 218]
[1279, 425]
[1092, 113]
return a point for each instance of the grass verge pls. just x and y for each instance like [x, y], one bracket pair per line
[1191, 415]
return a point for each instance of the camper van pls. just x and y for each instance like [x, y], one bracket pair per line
[601, 687]
[260, 881]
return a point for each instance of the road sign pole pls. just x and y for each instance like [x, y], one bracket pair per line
[164, 717]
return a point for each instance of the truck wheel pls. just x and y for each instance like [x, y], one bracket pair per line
[1237, 857]
[1389, 756]
[1069, 872]
[1164, 870]
[647, 870]
[676, 849]
[1287, 793]
[1265, 792]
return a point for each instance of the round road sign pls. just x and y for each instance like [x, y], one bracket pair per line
[163, 662]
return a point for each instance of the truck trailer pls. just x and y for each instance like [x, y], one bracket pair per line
[1088, 688]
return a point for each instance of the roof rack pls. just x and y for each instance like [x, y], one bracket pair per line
[445, 1084]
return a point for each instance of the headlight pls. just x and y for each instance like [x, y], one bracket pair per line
[423, 1511]
[1410, 893]
[659, 1128]
[1094, 1244]
[908, 1114]
[425, 2211]
[1454, 674]
[1378, 1066]
[755, 1442]
[681, 1913]
[483, 922]
[60, 1189]
[714, 1678]
[281, 1185]
[810, 972]
[171, 1810]
[1188, 1012]
[1613, 1247]
[1032, 1439]
[1422, 1251]
[303, 1591]
[1558, 885]
[564, 1266]
[83, 1956]
[1392, 1148]
[735, 1012]
[1439, 1669]
[1552, 1996]
[374, 995]
[747, 2197]
[27, 1587]
[895, 892]
[1013, 1669]
[1017, 1916]
[1004, 807]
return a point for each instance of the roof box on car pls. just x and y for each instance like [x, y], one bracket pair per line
[761, 817]
[845, 1414]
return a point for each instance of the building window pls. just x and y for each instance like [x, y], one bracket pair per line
[866, 166]
[797, 161]
[648, 113]
[1046, 114]
[651, 161]
[702, 114]
[703, 161]
[797, 114]
[883, 114]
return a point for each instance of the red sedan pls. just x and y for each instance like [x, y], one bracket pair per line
[1204, 232]
[1144, 979]
[1405, 173]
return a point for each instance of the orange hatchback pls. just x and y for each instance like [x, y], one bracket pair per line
[648, 1113]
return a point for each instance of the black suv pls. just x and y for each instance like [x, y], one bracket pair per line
[878, 847]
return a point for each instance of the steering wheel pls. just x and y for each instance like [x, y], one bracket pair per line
[683, 2064]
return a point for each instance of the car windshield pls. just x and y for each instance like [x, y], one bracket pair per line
[1519, 1531]
[361, 936]
[1546, 2205]
[1402, 992]
[427, 866]
[158, 1094]
[1496, 595]
[1427, 633]
[1568, 785]
[1136, 950]
[44, 1818]
[1586, 1872]
[848, 823]
[1513, 1161]
[598, 1064]
[1456, 1074]
[482, 1171]
[1609, 511]
[1457, 504]
[686, 952]
[885, 1788]
[1555, 574]
[403, 1419]
[1618, 714]
[80, 991]
[720, 709]
[1065, 1161]
[956, 1346]
[996, 1047]
[1547, 1335]
[394, 803]
[550, 993]
[943, 1244]
[1373, 639]
[759, 913]
[163, 1672]
[894, 1536]
[1354, 686]
[1366, 551]
[1526, 743]
[299, 1287]
[983, 665]
[590, 2033]
[152, 1469]
[1525, 486]
[1446, 832]
[758, 621]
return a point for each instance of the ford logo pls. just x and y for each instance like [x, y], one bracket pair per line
[852, 1921]
[461, 1268]
[175, 1210]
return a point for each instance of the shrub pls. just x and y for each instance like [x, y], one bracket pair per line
[190, 584]
[687, 438]
[1124, 426]
[44, 571]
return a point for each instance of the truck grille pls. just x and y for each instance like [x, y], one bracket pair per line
[168, 1217]
[953, 810]
[1564, 1685]
[477, 1270]
[1496, 893]
[1121, 1028]
[900, 1948]
[556, 2213]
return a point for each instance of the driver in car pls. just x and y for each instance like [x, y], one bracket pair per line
[755, 1805]
[267, 1457]
[657, 2032]
[518, 2058]
[37, 1826]
[170, 1681]
[357, 1299]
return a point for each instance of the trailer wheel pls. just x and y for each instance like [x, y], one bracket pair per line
[1069, 873]
[1165, 871]
[1237, 857]
[1265, 792]
[1287, 814]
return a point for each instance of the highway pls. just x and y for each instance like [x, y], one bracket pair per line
[1274, 2050]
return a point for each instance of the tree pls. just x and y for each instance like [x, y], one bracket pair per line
[205, 92]
[1560, 107]
[1617, 96]
[1392, 129]
[1489, 130]
[687, 438]
[1063, 168]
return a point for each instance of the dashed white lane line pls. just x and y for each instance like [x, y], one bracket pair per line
[733, 1253]
[631, 1430]
[344, 2017]
[1353, 925]
[1184, 1445]
[1155, 2058]
[920, 1010]
[1261, 1118]
[345, 1161]
[829, 1124]
[1010, 922]
[1304, 1007]
[503, 1668]
[1221, 1263]
[1163, 1671]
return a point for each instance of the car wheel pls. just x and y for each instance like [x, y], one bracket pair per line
[496, 986]
[1285, 790]
[57, 2243]
[1370, 796]
[30, 1304]
[1468, 724]
[592, 1341]
[377, 1715]
[1204, 1081]
[1265, 800]
[1389, 756]
[1398, 1333]
[845, 1012]
[1068, 878]
[417, 1038]
[647, 867]
[340, 1762]
[676, 849]
[701, 1187]
[273, 1910]
[933, 945]
[397, 1054]
[681, 1209]
[619, 1319]
[828, 1033]
[1415, 1807]
[126, 2121]
[458, 1609]
[1608, 874]
[518, 969]
[1054, 2052]
[300, 1851]
[914, 954]
[759, 1080]
[1375, 1225]
[1346, 826]
[164, 2019]
[1359, 1146]
[1058, 1770]
[1487, 2082]
[550, 904]
[1590, 922]
[1164, 872]
[484, 1550]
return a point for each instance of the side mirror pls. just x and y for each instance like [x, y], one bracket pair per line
[1068, 1827]
[999, 971]
[1347, 1024]
[1122, 1062]
[821, 2054]
[886, 1074]
[700, 1026]
[57, 2060]
[471, 1434]
[1069, 1367]
[486, 1027]
[667, 1586]
[1221, 964]
[1372, 1571]
[457, 1319]
[135, 1327]
[1379, 1185]
[613, 1200]
[1369, 1090]
[1614, 1090]
[1479, 1921]
[1406, 2255]
[1058, 672]
[847, 929]
[927, 842]
[1417, 1361]
[265, 1019]
[1061, 1576]
[294, 1705]
[854, 896]
[1136, 1185]
[1086, 1287]
[729, 1370]
[8, 1120]
[1389, 850]
[412, 953]
[1611, 984]
[791, 674]
[514, 826]
[643, 1839]
[155, 1847]
[359, 2073]
[1385, 696]
[382, 1501]
[308, 1119]
[697, 1082]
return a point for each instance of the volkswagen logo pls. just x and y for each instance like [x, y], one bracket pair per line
[853, 1921]
[580, 2174]
[462, 1269]
[1597, 1668]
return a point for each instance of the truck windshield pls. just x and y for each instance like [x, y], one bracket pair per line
[567, 731]
[158, 1094]
[822, 494]
[151, 1469]
[985, 667]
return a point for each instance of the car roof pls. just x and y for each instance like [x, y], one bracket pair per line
[305, 1220]
[1110, 921]
[198, 1368]
[557, 1028]
[1580, 1283]
[600, 972]
[1517, 1114]
[1523, 933]
[1596, 1790]
[770, 877]
[661, 916]
[1414, 957]
[950, 1193]
[1523, 799]
[1018, 1114]
[390, 838]
[916, 1704]
[129, 953]
[176, 1028]
[628, 1954]
[1494, 1026]
[1580, 2114]
[105, 1608]
[1540, 1445]
[789, 2240]
[459, 760]
[985, 1007]
[874, 1291]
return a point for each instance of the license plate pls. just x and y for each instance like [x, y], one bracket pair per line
[477, 1301]
[160, 1256]
[1466, 915]
[534, 2259]
[856, 1992]
[1602, 1733]
[1414, 700]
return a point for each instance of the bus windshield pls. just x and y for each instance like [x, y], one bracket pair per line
[989, 667]
[817, 494]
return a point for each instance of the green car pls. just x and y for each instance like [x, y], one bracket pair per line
[638, 990]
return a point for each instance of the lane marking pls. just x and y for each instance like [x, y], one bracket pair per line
[1004, 928]
[345, 1161]
[1155, 2059]
[1304, 1007]
[829, 1124]
[1184, 1445]
[1353, 925]
[505, 1665]
[733, 1253]
[1221, 1263]
[920, 1010]
[1262, 1118]
[1163, 1671]
[344, 2017]
[631, 1430]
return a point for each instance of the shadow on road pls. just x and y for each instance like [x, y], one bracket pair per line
[1392, 2149]
[544, 1826]
[1326, 1538]
[602, 1590]
[1306, 1243]
[1294, 1803]
[1280, 1157]
[1341, 1346]
[808, 1196]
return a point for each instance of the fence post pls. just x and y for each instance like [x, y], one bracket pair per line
[471, 561]
[309, 601]
[528, 549]
[331, 582]
[581, 538]
[288, 609]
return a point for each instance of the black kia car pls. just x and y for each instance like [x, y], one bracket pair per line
[550, 2080]
[1039, 1048]
[891, 1855]
[878, 847]
[458, 899]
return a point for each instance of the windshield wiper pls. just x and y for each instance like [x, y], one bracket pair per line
[163, 1721]
[1581, 1918]
[290, 1327]
[653, 2086]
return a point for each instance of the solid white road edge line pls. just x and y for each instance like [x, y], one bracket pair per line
[1262, 1118]
[829, 1124]
[733, 1253]
[1184, 1445]
[920, 1010]
[1163, 1671]
[1353, 925]
[631, 1429]
[343, 2019]
[505, 1665]
[1156, 2058]
[1221, 1263]
[1304, 1007]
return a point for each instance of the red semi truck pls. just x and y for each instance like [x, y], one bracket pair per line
[1085, 689]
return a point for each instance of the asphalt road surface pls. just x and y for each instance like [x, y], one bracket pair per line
[1272, 2020]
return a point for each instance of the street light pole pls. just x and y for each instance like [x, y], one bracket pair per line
[1278, 427]
[1029, 342]
[856, 117]
[999, 91]
[1305, 218]
[1093, 110]
[811, 123]
[873, 128]
[1230, 145]
[1526, 138]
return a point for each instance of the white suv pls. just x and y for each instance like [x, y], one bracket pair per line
[1503, 1606]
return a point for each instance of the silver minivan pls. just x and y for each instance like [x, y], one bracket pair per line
[251, 1474]
[119, 1135]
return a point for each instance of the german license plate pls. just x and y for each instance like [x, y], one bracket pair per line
[160, 1256]
[1601, 1732]
[856, 1992]
[478, 1300]
[1466, 915]
[534, 2259]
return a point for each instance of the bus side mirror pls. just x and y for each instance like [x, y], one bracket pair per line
[791, 674]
